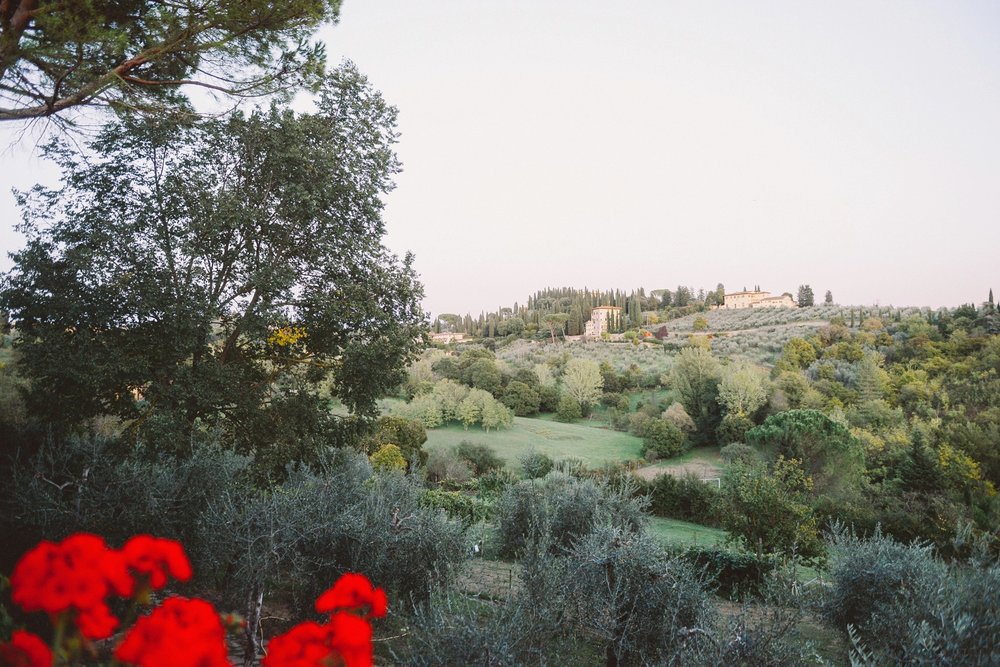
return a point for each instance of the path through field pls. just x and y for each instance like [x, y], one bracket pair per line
[704, 463]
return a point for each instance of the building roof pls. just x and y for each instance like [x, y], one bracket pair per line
[747, 292]
[606, 308]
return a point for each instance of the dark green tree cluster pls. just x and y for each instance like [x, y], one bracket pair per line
[895, 421]
[196, 278]
[805, 296]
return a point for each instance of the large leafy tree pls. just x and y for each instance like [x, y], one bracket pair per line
[831, 455]
[139, 54]
[695, 377]
[226, 275]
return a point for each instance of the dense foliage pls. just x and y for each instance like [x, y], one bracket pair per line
[192, 278]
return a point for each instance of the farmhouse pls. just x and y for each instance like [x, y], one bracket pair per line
[600, 318]
[448, 337]
[757, 299]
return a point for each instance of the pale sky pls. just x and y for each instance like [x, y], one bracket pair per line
[853, 146]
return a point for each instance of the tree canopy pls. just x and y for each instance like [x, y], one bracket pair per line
[229, 273]
[138, 54]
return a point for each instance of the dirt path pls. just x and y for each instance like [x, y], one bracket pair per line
[701, 469]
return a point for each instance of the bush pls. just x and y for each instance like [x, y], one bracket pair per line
[686, 498]
[569, 409]
[455, 630]
[521, 398]
[734, 574]
[733, 428]
[737, 452]
[678, 416]
[559, 509]
[445, 467]
[663, 440]
[481, 458]
[624, 589]
[457, 505]
[407, 434]
[388, 457]
[535, 464]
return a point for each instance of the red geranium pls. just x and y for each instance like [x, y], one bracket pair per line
[25, 650]
[306, 645]
[353, 592]
[156, 558]
[178, 633]
[76, 575]
[345, 640]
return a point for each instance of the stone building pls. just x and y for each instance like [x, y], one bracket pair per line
[599, 319]
[757, 299]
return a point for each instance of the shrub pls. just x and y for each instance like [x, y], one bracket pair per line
[408, 434]
[737, 452]
[457, 505]
[686, 498]
[456, 630]
[559, 509]
[624, 588]
[678, 416]
[445, 467]
[388, 457]
[733, 428]
[521, 398]
[734, 574]
[877, 585]
[663, 440]
[535, 464]
[548, 398]
[481, 458]
[569, 409]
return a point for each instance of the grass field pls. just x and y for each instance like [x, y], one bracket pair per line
[674, 532]
[593, 446]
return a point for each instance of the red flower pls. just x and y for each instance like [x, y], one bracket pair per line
[352, 639]
[156, 558]
[76, 574]
[178, 633]
[352, 592]
[25, 650]
[306, 645]
[347, 641]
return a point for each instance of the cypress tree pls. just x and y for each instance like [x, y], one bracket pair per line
[920, 471]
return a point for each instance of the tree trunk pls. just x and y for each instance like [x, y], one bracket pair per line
[252, 647]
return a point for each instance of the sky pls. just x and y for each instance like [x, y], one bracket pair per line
[851, 146]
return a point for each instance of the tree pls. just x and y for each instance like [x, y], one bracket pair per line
[805, 296]
[555, 321]
[663, 440]
[832, 457]
[139, 54]
[521, 398]
[406, 434]
[828, 299]
[768, 510]
[682, 296]
[198, 277]
[742, 390]
[582, 381]
[569, 409]
[695, 376]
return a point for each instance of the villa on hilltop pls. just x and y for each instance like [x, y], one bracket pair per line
[757, 299]
[599, 319]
